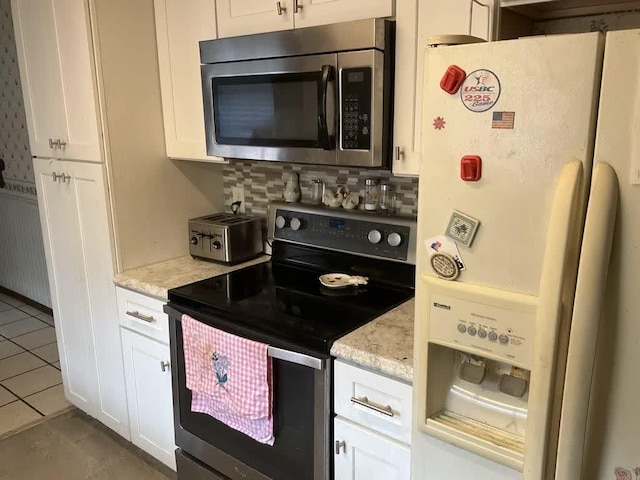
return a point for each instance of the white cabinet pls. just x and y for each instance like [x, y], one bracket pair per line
[322, 12]
[53, 40]
[74, 216]
[145, 349]
[180, 25]
[372, 427]
[416, 21]
[362, 454]
[148, 378]
[243, 17]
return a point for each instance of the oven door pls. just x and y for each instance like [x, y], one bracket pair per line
[278, 109]
[301, 413]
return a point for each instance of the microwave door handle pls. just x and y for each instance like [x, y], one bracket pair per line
[323, 128]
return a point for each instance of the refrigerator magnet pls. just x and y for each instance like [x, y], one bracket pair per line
[462, 228]
[443, 244]
[445, 266]
[480, 90]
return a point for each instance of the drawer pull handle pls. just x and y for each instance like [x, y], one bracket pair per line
[164, 366]
[364, 401]
[139, 316]
[340, 445]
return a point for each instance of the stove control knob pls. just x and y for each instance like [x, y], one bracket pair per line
[194, 240]
[295, 224]
[394, 239]
[216, 245]
[374, 236]
[281, 222]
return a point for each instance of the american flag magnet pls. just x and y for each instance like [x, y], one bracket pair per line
[503, 120]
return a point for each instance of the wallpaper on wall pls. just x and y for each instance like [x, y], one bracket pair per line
[264, 182]
[14, 138]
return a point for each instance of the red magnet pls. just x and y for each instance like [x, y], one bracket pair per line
[471, 168]
[452, 79]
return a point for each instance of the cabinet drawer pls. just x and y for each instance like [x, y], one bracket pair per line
[374, 401]
[143, 314]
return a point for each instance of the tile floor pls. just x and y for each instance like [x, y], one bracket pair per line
[30, 379]
[73, 446]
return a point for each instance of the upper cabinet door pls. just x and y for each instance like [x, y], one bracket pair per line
[180, 25]
[53, 40]
[243, 17]
[321, 12]
[406, 150]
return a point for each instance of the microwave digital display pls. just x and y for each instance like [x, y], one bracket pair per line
[355, 77]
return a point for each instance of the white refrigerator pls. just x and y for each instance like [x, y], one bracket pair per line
[527, 336]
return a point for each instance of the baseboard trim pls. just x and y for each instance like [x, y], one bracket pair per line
[26, 300]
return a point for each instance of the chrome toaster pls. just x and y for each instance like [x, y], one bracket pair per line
[225, 237]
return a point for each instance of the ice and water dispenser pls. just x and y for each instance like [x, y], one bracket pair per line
[474, 374]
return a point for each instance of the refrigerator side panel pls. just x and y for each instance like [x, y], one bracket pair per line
[613, 445]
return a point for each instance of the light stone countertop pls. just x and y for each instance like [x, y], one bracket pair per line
[384, 345]
[156, 279]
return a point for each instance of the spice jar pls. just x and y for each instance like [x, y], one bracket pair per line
[370, 194]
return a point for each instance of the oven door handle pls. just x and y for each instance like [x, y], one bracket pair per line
[297, 358]
[326, 142]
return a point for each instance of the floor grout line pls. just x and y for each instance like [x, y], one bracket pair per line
[39, 391]
[33, 408]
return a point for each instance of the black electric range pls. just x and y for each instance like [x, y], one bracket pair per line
[283, 304]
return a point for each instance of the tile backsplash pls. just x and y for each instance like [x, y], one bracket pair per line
[263, 182]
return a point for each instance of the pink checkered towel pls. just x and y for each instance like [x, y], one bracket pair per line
[230, 379]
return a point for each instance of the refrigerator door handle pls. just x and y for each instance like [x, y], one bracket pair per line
[562, 223]
[590, 291]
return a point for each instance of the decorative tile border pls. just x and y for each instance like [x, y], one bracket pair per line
[264, 182]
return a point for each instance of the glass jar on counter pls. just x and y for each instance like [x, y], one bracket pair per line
[371, 194]
[386, 200]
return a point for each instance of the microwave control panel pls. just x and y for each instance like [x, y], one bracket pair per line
[356, 94]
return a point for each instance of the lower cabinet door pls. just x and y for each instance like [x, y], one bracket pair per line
[148, 378]
[362, 454]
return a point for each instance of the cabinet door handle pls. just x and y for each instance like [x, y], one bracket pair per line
[364, 401]
[55, 176]
[66, 178]
[296, 6]
[340, 445]
[164, 366]
[399, 153]
[140, 316]
[279, 8]
[52, 144]
[61, 143]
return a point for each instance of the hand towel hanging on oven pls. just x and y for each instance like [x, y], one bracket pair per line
[230, 379]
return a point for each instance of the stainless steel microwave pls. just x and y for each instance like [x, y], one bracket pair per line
[317, 95]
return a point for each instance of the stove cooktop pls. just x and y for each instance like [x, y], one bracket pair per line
[284, 304]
